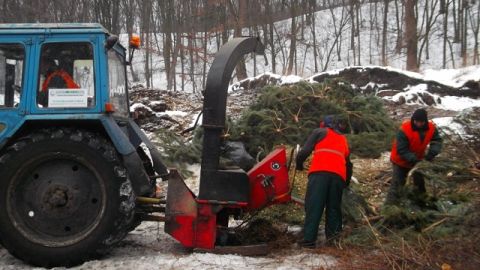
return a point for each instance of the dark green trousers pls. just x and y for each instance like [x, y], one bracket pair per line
[324, 191]
[399, 177]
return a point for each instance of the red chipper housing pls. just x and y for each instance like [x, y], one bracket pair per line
[196, 222]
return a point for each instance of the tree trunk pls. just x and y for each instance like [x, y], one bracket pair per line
[146, 19]
[384, 33]
[293, 41]
[357, 33]
[465, 8]
[314, 34]
[352, 33]
[456, 31]
[240, 19]
[399, 43]
[271, 39]
[475, 25]
[115, 18]
[411, 35]
[445, 33]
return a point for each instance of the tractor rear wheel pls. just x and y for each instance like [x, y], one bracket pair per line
[64, 197]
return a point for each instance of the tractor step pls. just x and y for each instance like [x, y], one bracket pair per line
[248, 250]
[148, 200]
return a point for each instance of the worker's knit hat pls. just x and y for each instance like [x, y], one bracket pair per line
[333, 122]
[420, 115]
[328, 121]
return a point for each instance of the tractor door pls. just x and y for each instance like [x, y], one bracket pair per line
[67, 77]
[117, 76]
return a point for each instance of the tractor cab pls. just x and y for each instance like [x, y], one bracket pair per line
[59, 69]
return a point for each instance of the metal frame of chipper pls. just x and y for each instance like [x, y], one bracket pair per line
[196, 222]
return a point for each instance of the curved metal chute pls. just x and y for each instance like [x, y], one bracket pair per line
[212, 181]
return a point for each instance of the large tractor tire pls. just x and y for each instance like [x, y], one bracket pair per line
[64, 197]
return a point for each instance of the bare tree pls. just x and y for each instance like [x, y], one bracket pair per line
[384, 32]
[475, 26]
[293, 38]
[430, 17]
[411, 38]
[444, 11]
[238, 11]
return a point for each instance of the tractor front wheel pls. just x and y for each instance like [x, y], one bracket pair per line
[64, 197]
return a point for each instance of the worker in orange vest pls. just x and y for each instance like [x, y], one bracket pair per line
[55, 77]
[409, 147]
[66, 81]
[330, 172]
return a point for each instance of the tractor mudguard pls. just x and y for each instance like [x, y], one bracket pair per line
[136, 134]
[136, 172]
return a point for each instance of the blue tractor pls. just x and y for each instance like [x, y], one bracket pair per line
[70, 161]
[74, 173]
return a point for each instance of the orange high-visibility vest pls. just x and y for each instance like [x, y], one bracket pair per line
[70, 83]
[415, 145]
[330, 155]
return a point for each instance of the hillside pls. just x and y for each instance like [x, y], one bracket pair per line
[331, 30]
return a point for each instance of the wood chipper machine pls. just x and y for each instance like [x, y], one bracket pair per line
[74, 177]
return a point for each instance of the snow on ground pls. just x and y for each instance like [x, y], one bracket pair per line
[360, 68]
[451, 103]
[454, 103]
[148, 247]
[453, 77]
[136, 106]
[172, 114]
[449, 126]
[466, 124]
[410, 95]
[281, 80]
[450, 77]
[290, 79]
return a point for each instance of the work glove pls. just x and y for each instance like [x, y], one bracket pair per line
[414, 162]
[429, 157]
[299, 167]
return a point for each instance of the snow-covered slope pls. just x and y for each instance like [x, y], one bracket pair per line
[455, 89]
[331, 53]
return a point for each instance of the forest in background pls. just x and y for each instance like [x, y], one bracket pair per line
[183, 35]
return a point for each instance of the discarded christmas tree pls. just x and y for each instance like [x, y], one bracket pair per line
[287, 114]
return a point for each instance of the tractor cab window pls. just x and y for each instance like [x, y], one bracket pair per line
[117, 83]
[66, 76]
[11, 74]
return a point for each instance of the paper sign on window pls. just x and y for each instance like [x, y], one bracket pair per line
[67, 98]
